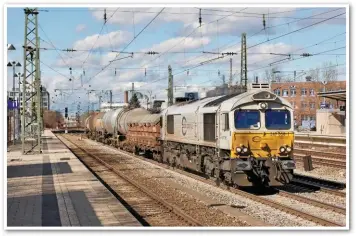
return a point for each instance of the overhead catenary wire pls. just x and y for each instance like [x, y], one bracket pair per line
[294, 31]
[308, 26]
[203, 24]
[302, 48]
[127, 45]
[269, 27]
[252, 53]
[246, 14]
[280, 36]
[50, 42]
[105, 22]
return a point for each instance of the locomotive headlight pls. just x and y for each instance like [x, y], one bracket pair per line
[238, 149]
[245, 149]
[289, 149]
[282, 149]
[263, 105]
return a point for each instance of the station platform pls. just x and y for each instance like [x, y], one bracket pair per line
[55, 189]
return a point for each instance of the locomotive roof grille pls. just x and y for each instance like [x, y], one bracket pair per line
[264, 86]
[264, 96]
[218, 101]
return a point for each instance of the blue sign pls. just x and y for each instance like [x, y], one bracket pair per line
[12, 105]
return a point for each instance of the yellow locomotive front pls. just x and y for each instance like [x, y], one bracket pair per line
[262, 142]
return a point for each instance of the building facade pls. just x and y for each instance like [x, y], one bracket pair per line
[44, 94]
[303, 97]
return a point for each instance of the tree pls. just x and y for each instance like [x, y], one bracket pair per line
[134, 102]
[315, 74]
[329, 71]
[270, 76]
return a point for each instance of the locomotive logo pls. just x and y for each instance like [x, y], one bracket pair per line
[184, 126]
[256, 139]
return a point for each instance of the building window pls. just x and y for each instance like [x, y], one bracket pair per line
[277, 92]
[285, 93]
[304, 105]
[312, 105]
[304, 92]
[312, 92]
[312, 117]
[293, 92]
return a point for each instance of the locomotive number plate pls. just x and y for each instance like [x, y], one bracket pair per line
[279, 134]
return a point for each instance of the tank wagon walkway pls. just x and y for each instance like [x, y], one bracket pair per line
[55, 189]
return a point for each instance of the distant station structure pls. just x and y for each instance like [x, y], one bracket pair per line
[332, 120]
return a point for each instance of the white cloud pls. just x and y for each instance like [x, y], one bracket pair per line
[95, 41]
[181, 42]
[80, 28]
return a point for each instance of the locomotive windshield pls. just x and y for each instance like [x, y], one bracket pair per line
[247, 119]
[278, 119]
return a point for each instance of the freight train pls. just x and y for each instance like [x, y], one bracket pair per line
[241, 139]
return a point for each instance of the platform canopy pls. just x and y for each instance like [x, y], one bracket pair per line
[336, 95]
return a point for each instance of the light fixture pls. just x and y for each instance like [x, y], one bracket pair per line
[19, 74]
[263, 105]
[10, 47]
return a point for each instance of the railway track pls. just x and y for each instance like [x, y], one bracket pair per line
[315, 184]
[313, 202]
[148, 207]
[321, 153]
[190, 213]
[256, 198]
[322, 161]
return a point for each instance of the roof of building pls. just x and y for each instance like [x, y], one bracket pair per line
[336, 95]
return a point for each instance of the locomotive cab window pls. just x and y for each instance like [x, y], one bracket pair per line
[278, 119]
[170, 124]
[247, 119]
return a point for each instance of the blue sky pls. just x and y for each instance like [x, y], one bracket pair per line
[78, 28]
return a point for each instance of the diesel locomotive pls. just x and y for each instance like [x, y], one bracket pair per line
[242, 139]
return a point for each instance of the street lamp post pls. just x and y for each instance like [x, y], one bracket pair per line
[14, 64]
[19, 75]
[324, 100]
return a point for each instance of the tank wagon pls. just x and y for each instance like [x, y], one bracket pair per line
[244, 139]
